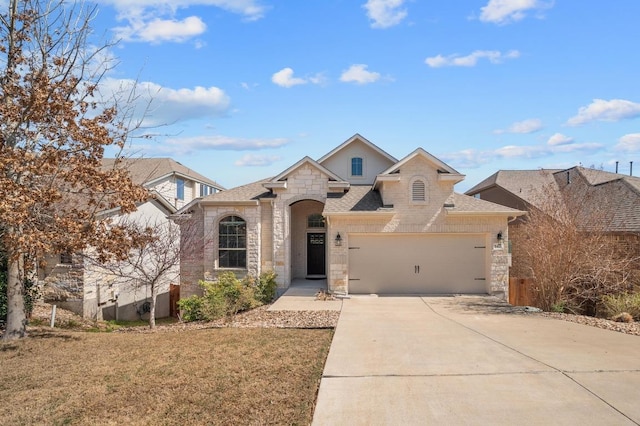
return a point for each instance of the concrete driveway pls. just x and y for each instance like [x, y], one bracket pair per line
[472, 360]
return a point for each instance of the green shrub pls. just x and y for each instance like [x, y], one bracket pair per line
[559, 307]
[191, 308]
[614, 305]
[266, 287]
[227, 295]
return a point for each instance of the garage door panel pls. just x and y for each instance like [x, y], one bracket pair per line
[418, 264]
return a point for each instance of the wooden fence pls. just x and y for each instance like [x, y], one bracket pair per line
[520, 291]
[174, 296]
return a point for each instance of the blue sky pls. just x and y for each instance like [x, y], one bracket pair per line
[242, 89]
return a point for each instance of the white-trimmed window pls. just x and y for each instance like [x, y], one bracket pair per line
[206, 190]
[180, 189]
[357, 166]
[232, 242]
[418, 191]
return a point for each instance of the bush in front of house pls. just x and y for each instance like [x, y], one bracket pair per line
[266, 287]
[228, 295]
[617, 304]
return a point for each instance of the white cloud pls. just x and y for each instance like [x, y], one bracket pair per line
[155, 20]
[471, 158]
[285, 78]
[155, 105]
[493, 56]
[516, 151]
[385, 13]
[507, 11]
[559, 139]
[530, 125]
[254, 160]
[358, 74]
[602, 110]
[629, 143]
[187, 145]
[161, 30]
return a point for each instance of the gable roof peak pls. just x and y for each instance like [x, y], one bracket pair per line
[352, 139]
[441, 165]
[306, 160]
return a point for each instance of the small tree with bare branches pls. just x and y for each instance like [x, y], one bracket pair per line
[151, 265]
[566, 245]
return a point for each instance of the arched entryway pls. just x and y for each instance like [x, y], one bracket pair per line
[308, 240]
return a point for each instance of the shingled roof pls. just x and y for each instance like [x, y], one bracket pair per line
[464, 204]
[359, 198]
[248, 192]
[623, 206]
[146, 170]
[524, 184]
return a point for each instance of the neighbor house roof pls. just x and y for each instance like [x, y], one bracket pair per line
[623, 206]
[145, 171]
[524, 184]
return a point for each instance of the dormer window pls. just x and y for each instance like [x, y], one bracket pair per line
[418, 191]
[356, 166]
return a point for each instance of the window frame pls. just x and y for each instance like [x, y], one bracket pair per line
[232, 246]
[180, 184]
[357, 162]
[315, 218]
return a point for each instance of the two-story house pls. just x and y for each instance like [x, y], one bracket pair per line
[73, 283]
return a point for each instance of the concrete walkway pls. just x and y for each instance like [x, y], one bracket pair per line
[301, 296]
[469, 360]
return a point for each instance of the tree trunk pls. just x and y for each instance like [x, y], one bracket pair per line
[16, 315]
[152, 310]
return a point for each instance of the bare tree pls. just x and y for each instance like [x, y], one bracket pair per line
[53, 133]
[567, 245]
[152, 265]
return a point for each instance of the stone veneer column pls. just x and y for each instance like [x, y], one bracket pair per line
[500, 271]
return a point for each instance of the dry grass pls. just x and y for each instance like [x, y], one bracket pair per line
[215, 376]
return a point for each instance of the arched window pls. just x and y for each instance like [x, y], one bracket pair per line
[315, 220]
[232, 244]
[418, 191]
[356, 166]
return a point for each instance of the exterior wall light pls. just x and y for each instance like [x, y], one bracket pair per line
[499, 236]
[338, 240]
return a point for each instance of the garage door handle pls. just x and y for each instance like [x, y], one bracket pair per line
[416, 269]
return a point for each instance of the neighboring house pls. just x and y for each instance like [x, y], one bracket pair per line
[617, 197]
[176, 183]
[362, 219]
[72, 283]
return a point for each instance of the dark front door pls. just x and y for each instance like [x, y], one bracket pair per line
[315, 254]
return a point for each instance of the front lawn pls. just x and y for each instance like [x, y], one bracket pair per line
[214, 376]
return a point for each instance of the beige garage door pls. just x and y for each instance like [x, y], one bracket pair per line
[417, 264]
